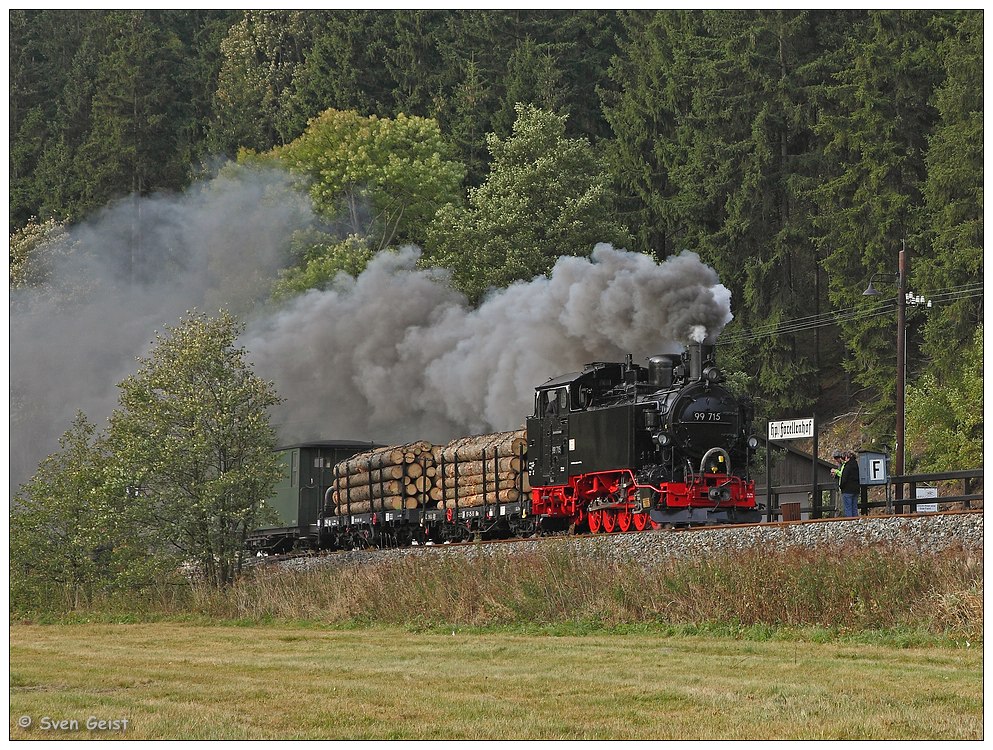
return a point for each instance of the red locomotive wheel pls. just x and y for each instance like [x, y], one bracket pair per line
[654, 524]
[595, 520]
[624, 520]
[640, 521]
[609, 521]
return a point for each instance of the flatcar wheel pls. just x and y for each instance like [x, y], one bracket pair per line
[595, 521]
[609, 522]
[640, 521]
[624, 520]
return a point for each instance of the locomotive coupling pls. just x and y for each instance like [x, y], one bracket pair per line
[719, 494]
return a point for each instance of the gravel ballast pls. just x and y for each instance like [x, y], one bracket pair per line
[924, 534]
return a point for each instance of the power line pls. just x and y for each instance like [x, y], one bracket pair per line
[835, 317]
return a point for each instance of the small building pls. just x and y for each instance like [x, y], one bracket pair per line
[792, 467]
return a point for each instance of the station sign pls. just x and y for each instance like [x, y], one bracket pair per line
[791, 429]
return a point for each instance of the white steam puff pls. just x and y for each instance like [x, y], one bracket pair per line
[396, 354]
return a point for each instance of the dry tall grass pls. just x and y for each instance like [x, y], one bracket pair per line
[855, 589]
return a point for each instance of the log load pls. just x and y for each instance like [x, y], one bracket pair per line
[393, 478]
[482, 470]
[465, 473]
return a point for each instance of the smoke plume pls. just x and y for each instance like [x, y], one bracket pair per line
[133, 269]
[392, 355]
[396, 354]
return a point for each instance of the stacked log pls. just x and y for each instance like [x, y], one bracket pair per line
[482, 470]
[393, 478]
[466, 473]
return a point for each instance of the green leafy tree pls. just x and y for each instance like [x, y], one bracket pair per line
[379, 178]
[73, 536]
[260, 57]
[35, 249]
[945, 415]
[192, 439]
[323, 259]
[546, 196]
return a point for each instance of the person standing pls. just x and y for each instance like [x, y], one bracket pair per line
[849, 483]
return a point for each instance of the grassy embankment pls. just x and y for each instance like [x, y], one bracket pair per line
[867, 644]
[933, 596]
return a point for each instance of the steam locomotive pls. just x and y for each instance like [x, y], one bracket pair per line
[620, 446]
[615, 447]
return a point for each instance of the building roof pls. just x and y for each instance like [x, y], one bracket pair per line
[331, 444]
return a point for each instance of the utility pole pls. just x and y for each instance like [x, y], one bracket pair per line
[901, 371]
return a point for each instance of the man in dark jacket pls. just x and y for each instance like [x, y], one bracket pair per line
[849, 483]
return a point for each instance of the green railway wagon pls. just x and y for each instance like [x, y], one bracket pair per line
[308, 472]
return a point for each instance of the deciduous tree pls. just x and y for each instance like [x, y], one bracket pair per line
[72, 535]
[192, 440]
[945, 420]
[375, 177]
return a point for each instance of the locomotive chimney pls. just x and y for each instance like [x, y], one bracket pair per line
[696, 361]
[700, 356]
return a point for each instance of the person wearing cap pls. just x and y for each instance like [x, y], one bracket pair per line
[849, 483]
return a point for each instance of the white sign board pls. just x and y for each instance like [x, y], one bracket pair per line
[791, 429]
[923, 493]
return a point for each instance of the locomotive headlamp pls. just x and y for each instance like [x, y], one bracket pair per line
[663, 439]
[713, 374]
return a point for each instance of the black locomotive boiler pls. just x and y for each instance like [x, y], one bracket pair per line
[619, 445]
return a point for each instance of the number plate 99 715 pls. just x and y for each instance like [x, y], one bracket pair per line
[707, 416]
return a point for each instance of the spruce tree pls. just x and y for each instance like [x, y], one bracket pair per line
[875, 121]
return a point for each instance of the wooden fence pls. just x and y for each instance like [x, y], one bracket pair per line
[899, 496]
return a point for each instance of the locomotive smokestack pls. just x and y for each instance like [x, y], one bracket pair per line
[696, 361]
[700, 356]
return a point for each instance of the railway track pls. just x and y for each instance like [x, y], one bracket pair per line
[807, 527]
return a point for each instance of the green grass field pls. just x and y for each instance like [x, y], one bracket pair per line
[188, 681]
